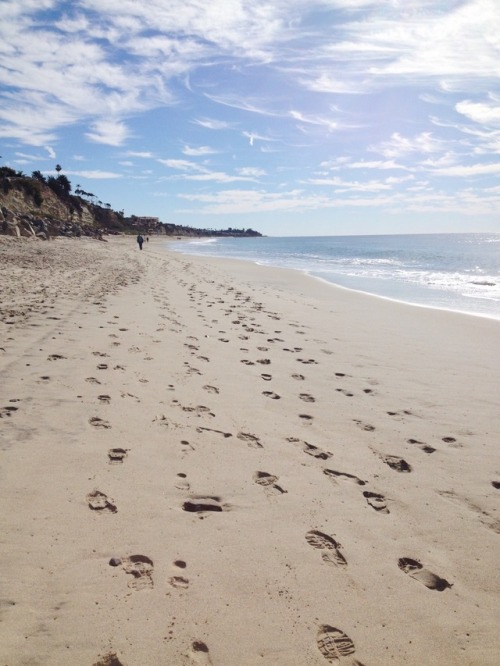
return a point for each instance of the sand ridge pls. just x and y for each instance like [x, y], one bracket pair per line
[209, 462]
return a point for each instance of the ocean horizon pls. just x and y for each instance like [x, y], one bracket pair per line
[456, 272]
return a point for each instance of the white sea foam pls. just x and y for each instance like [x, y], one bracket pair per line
[454, 271]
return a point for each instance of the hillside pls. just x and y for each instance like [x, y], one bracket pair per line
[40, 207]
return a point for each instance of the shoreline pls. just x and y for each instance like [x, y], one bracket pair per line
[495, 317]
[216, 462]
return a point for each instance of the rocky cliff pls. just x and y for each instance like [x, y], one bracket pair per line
[40, 208]
[31, 208]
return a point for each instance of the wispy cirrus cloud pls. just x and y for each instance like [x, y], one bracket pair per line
[94, 174]
[181, 165]
[465, 171]
[399, 146]
[200, 151]
[213, 124]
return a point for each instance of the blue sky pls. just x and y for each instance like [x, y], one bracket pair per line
[294, 117]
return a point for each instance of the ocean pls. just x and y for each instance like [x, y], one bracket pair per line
[459, 272]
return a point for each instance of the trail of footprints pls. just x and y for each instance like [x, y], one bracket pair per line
[332, 643]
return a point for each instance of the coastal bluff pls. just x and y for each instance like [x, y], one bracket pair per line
[41, 208]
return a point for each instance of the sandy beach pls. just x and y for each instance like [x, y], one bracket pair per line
[210, 462]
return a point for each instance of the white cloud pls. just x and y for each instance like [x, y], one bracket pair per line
[255, 136]
[253, 172]
[471, 170]
[376, 164]
[216, 177]
[109, 132]
[400, 146]
[328, 123]
[182, 165]
[213, 124]
[484, 114]
[142, 154]
[198, 152]
[350, 186]
[95, 174]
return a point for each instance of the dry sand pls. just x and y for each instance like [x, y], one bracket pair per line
[210, 462]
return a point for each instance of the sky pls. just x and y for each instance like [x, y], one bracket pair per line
[292, 117]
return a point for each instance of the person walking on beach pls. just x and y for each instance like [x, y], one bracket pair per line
[140, 241]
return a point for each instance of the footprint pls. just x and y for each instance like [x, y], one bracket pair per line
[252, 440]
[343, 475]
[130, 395]
[298, 377]
[264, 361]
[211, 389]
[348, 394]
[7, 411]
[141, 568]
[266, 377]
[202, 504]
[306, 397]
[365, 426]
[496, 484]
[99, 423]
[334, 645]
[161, 419]
[307, 361]
[397, 463]
[102, 366]
[268, 481]
[179, 582]
[198, 410]
[306, 417]
[91, 380]
[376, 501]
[316, 452]
[181, 483]
[452, 442]
[245, 361]
[422, 445]
[424, 576]
[200, 654]
[116, 455]
[104, 398]
[98, 501]
[271, 394]
[55, 357]
[332, 554]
